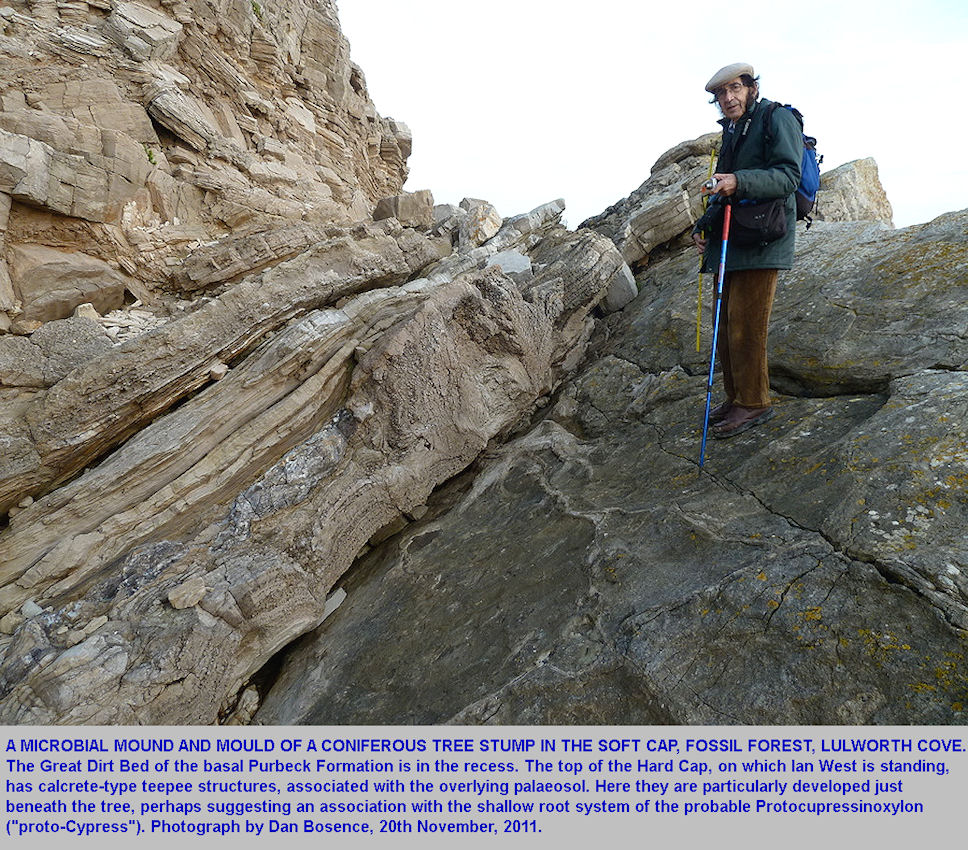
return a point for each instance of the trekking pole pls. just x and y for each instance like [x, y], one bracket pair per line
[705, 203]
[712, 356]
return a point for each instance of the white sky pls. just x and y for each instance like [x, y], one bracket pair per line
[520, 102]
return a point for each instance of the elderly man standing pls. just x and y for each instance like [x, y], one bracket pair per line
[757, 172]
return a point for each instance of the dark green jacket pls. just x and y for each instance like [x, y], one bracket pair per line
[760, 174]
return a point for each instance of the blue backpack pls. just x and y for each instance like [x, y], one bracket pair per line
[809, 166]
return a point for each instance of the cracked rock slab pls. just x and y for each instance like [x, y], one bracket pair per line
[569, 585]
[589, 573]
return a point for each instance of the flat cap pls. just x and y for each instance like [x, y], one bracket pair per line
[730, 72]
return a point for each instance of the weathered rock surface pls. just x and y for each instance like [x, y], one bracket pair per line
[147, 118]
[130, 386]
[237, 359]
[853, 192]
[53, 283]
[411, 209]
[216, 530]
[588, 573]
[664, 206]
[481, 223]
[864, 304]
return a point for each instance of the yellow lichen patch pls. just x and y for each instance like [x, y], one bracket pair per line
[772, 604]
[947, 674]
[906, 543]
[878, 644]
[813, 614]
[761, 576]
[945, 677]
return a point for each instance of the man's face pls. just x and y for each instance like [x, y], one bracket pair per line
[733, 99]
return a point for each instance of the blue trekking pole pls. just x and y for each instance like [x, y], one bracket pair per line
[712, 356]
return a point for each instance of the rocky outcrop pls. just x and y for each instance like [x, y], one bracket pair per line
[282, 443]
[589, 573]
[223, 503]
[667, 204]
[412, 209]
[853, 192]
[156, 128]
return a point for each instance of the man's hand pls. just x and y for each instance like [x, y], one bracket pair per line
[700, 242]
[725, 184]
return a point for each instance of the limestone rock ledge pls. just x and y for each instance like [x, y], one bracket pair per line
[153, 129]
[219, 506]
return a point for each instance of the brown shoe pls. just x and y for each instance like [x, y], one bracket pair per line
[720, 412]
[740, 419]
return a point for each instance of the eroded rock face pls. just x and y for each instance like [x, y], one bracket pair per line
[364, 373]
[153, 129]
[863, 304]
[589, 573]
[665, 206]
[853, 192]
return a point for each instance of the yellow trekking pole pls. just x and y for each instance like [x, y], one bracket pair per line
[705, 201]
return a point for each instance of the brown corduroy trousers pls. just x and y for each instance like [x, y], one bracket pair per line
[743, 323]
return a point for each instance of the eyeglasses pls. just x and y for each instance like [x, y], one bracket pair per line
[732, 88]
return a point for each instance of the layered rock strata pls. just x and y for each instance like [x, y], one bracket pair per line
[236, 360]
[133, 133]
[813, 573]
[221, 505]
